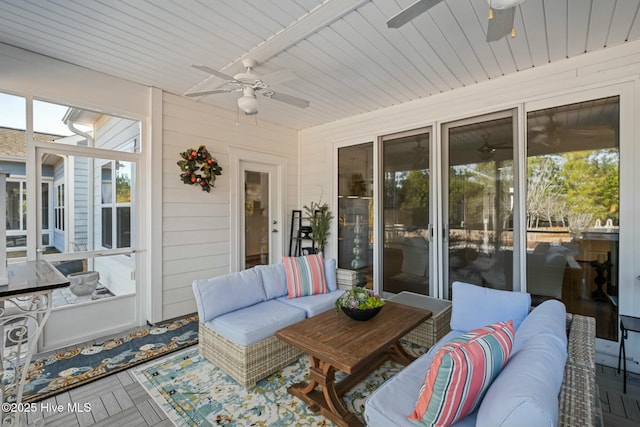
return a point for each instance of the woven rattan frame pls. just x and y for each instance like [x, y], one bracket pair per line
[579, 398]
[246, 364]
[432, 330]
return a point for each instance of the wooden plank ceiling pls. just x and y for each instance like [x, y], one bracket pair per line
[346, 60]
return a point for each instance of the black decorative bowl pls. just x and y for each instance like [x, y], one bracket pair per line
[357, 314]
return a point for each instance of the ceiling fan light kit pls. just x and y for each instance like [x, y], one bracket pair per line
[248, 102]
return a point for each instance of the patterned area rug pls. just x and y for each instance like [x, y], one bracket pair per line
[193, 392]
[61, 371]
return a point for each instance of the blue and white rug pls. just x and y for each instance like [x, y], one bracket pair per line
[77, 366]
[194, 392]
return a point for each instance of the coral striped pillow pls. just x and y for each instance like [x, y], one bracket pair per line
[461, 373]
[305, 275]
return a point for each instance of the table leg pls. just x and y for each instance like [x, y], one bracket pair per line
[621, 344]
[624, 360]
[321, 395]
[400, 355]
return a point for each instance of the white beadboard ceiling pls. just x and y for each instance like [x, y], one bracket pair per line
[346, 59]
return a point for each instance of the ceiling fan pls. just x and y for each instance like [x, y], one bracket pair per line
[249, 84]
[487, 151]
[548, 134]
[501, 16]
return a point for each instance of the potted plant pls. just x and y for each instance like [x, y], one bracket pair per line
[319, 217]
[359, 303]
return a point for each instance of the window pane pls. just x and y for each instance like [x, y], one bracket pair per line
[355, 210]
[256, 218]
[123, 233]
[64, 124]
[107, 228]
[14, 201]
[45, 206]
[406, 214]
[123, 182]
[573, 198]
[106, 187]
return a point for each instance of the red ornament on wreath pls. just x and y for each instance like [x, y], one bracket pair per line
[197, 167]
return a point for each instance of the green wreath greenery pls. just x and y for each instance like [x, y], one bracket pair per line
[198, 167]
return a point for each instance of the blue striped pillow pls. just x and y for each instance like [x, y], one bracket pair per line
[461, 373]
[305, 275]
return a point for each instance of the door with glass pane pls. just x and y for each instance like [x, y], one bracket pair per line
[406, 212]
[261, 219]
[479, 208]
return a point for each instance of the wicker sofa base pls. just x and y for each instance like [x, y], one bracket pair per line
[247, 365]
[579, 398]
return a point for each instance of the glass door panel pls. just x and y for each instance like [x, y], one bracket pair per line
[573, 199]
[256, 218]
[405, 213]
[479, 187]
[355, 211]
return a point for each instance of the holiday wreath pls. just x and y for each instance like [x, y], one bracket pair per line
[197, 167]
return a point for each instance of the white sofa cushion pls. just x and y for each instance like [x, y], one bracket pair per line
[224, 294]
[257, 322]
[393, 402]
[474, 306]
[330, 278]
[525, 393]
[274, 280]
[549, 318]
[313, 304]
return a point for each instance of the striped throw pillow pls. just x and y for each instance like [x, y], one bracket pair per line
[305, 275]
[461, 373]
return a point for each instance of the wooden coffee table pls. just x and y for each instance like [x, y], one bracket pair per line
[335, 342]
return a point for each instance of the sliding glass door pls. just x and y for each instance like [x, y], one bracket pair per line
[406, 212]
[573, 208]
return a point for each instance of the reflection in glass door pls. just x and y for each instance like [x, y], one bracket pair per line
[355, 211]
[478, 184]
[573, 199]
[260, 219]
[405, 162]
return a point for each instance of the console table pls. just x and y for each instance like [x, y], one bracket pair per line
[25, 305]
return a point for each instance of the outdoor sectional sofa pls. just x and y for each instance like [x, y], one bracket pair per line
[240, 312]
[548, 380]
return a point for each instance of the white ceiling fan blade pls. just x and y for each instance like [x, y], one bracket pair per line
[288, 99]
[411, 12]
[205, 92]
[278, 77]
[501, 24]
[213, 71]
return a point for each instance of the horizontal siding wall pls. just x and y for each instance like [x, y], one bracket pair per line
[196, 224]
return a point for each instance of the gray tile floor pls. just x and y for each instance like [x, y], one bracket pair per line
[618, 409]
[119, 400]
[116, 400]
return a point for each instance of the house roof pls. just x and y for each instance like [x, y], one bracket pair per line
[345, 58]
[13, 141]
